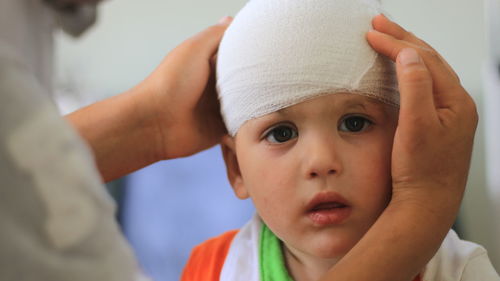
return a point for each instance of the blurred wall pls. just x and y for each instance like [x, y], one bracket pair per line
[491, 114]
[128, 42]
[132, 37]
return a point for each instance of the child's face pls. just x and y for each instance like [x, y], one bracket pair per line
[318, 172]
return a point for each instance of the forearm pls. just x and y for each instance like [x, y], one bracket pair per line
[400, 243]
[121, 132]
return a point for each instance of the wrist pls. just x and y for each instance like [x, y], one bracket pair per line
[407, 234]
[145, 119]
[435, 205]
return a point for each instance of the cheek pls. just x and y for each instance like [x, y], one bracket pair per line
[268, 186]
[265, 172]
[268, 182]
[372, 172]
[371, 195]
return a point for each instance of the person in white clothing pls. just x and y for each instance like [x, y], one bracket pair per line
[56, 220]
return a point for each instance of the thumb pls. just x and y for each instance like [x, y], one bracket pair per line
[415, 86]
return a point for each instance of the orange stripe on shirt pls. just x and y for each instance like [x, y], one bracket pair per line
[207, 259]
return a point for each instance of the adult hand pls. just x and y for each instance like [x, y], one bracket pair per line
[430, 162]
[437, 121]
[182, 93]
[172, 113]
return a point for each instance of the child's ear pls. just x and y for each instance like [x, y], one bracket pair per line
[232, 167]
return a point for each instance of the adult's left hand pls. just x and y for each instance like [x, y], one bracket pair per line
[173, 113]
[182, 92]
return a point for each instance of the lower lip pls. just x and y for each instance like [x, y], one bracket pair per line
[329, 216]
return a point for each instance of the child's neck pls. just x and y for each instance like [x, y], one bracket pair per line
[304, 267]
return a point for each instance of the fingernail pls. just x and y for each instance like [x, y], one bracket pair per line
[225, 20]
[408, 56]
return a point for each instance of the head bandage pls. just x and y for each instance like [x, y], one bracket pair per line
[277, 53]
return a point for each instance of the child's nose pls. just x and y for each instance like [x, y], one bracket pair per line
[322, 159]
[318, 173]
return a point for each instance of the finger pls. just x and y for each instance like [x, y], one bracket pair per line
[382, 24]
[391, 47]
[207, 41]
[415, 87]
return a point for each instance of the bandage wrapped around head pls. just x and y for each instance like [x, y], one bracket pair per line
[277, 53]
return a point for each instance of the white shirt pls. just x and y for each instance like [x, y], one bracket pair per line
[459, 260]
[56, 219]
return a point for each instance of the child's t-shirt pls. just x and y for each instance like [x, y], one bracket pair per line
[254, 254]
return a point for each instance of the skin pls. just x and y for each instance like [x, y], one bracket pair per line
[136, 129]
[324, 155]
[430, 161]
[431, 150]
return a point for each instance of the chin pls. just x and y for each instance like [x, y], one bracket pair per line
[332, 246]
[332, 252]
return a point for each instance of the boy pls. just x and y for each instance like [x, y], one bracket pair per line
[311, 111]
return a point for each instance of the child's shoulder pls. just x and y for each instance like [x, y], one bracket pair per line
[207, 259]
[462, 260]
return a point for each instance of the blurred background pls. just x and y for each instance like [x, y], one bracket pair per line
[169, 207]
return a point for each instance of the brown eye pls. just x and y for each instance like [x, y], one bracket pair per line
[281, 134]
[354, 124]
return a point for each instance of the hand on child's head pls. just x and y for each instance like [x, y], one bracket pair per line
[437, 121]
[183, 97]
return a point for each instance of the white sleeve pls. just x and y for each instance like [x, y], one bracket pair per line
[460, 260]
[56, 220]
[479, 268]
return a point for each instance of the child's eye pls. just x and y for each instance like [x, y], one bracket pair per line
[280, 134]
[354, 124]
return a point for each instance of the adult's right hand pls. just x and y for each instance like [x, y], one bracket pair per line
[430, 162]
[437, 121]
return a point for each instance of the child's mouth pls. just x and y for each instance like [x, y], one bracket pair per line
[328, 208]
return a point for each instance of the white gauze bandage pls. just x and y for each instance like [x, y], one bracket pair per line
[277, 53]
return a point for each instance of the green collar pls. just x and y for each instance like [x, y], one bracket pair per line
[272, 263]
